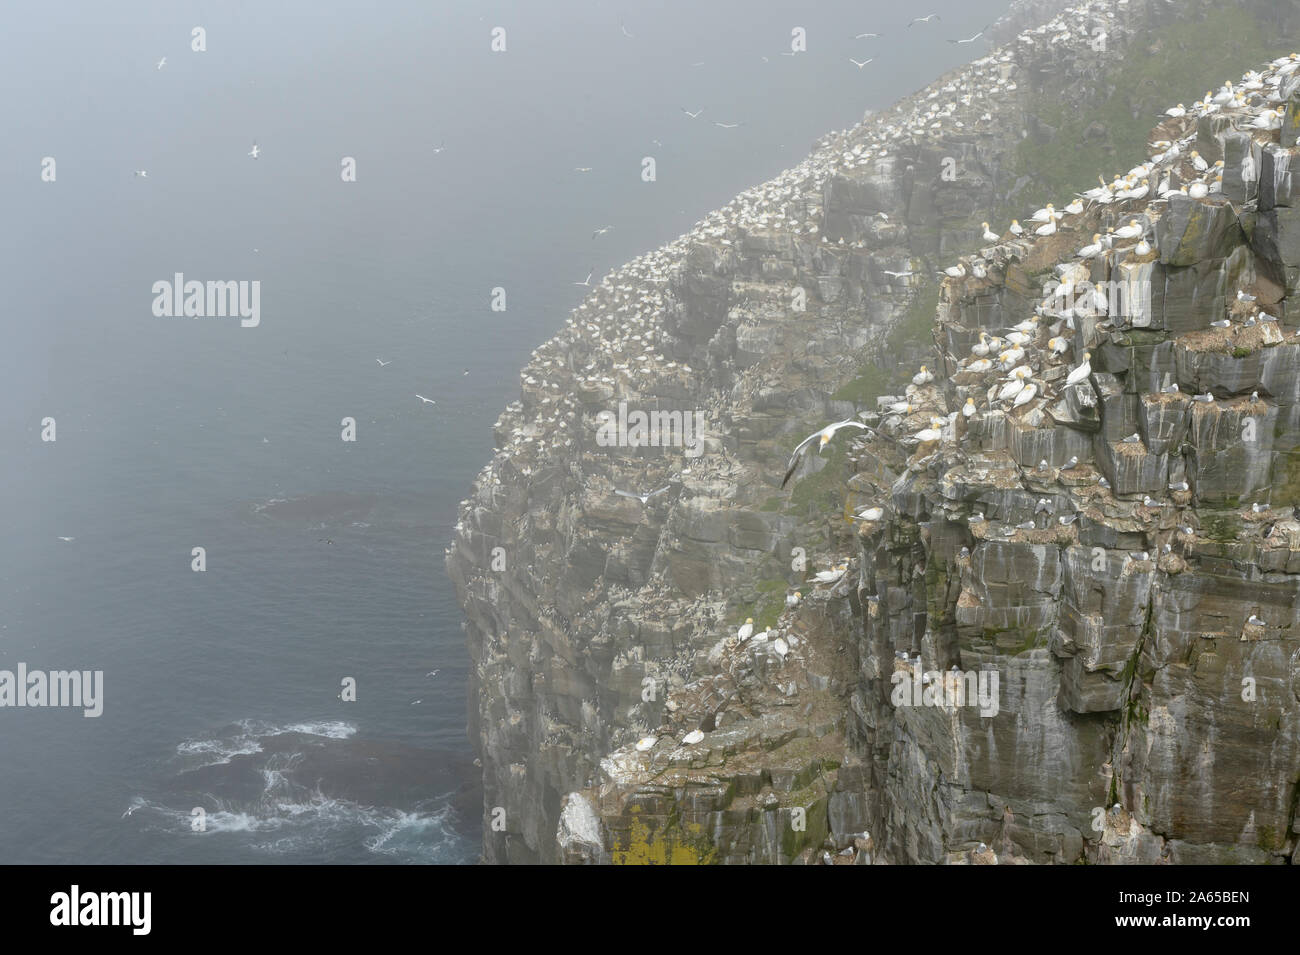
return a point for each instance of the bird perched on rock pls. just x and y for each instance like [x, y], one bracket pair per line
[1025, 396]
[1081, 373]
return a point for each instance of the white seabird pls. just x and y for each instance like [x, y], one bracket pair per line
[643, 498]
[1082, 373]
[823, 437]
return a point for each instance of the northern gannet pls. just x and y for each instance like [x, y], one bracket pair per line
[255, 151]
[860, 65]
[925, 19]
[1082, 373]
[1013, 387]
[823, 438]
[427, 401]
[644, 498]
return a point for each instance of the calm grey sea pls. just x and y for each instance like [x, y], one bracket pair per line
[324, 558]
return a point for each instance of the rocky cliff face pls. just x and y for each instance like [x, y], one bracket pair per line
[603, 580]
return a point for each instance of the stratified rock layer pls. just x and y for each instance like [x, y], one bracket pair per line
[603, 583]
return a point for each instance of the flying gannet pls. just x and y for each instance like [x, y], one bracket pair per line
[644, 498]
[823, 438]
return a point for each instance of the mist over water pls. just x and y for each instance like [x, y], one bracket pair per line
[324, 558]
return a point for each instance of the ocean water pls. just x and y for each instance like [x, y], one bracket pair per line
[324, 557]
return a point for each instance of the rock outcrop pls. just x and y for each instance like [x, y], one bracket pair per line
[1065, 635]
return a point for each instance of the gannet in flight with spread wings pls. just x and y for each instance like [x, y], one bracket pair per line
[644, 498]
[822, 438]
